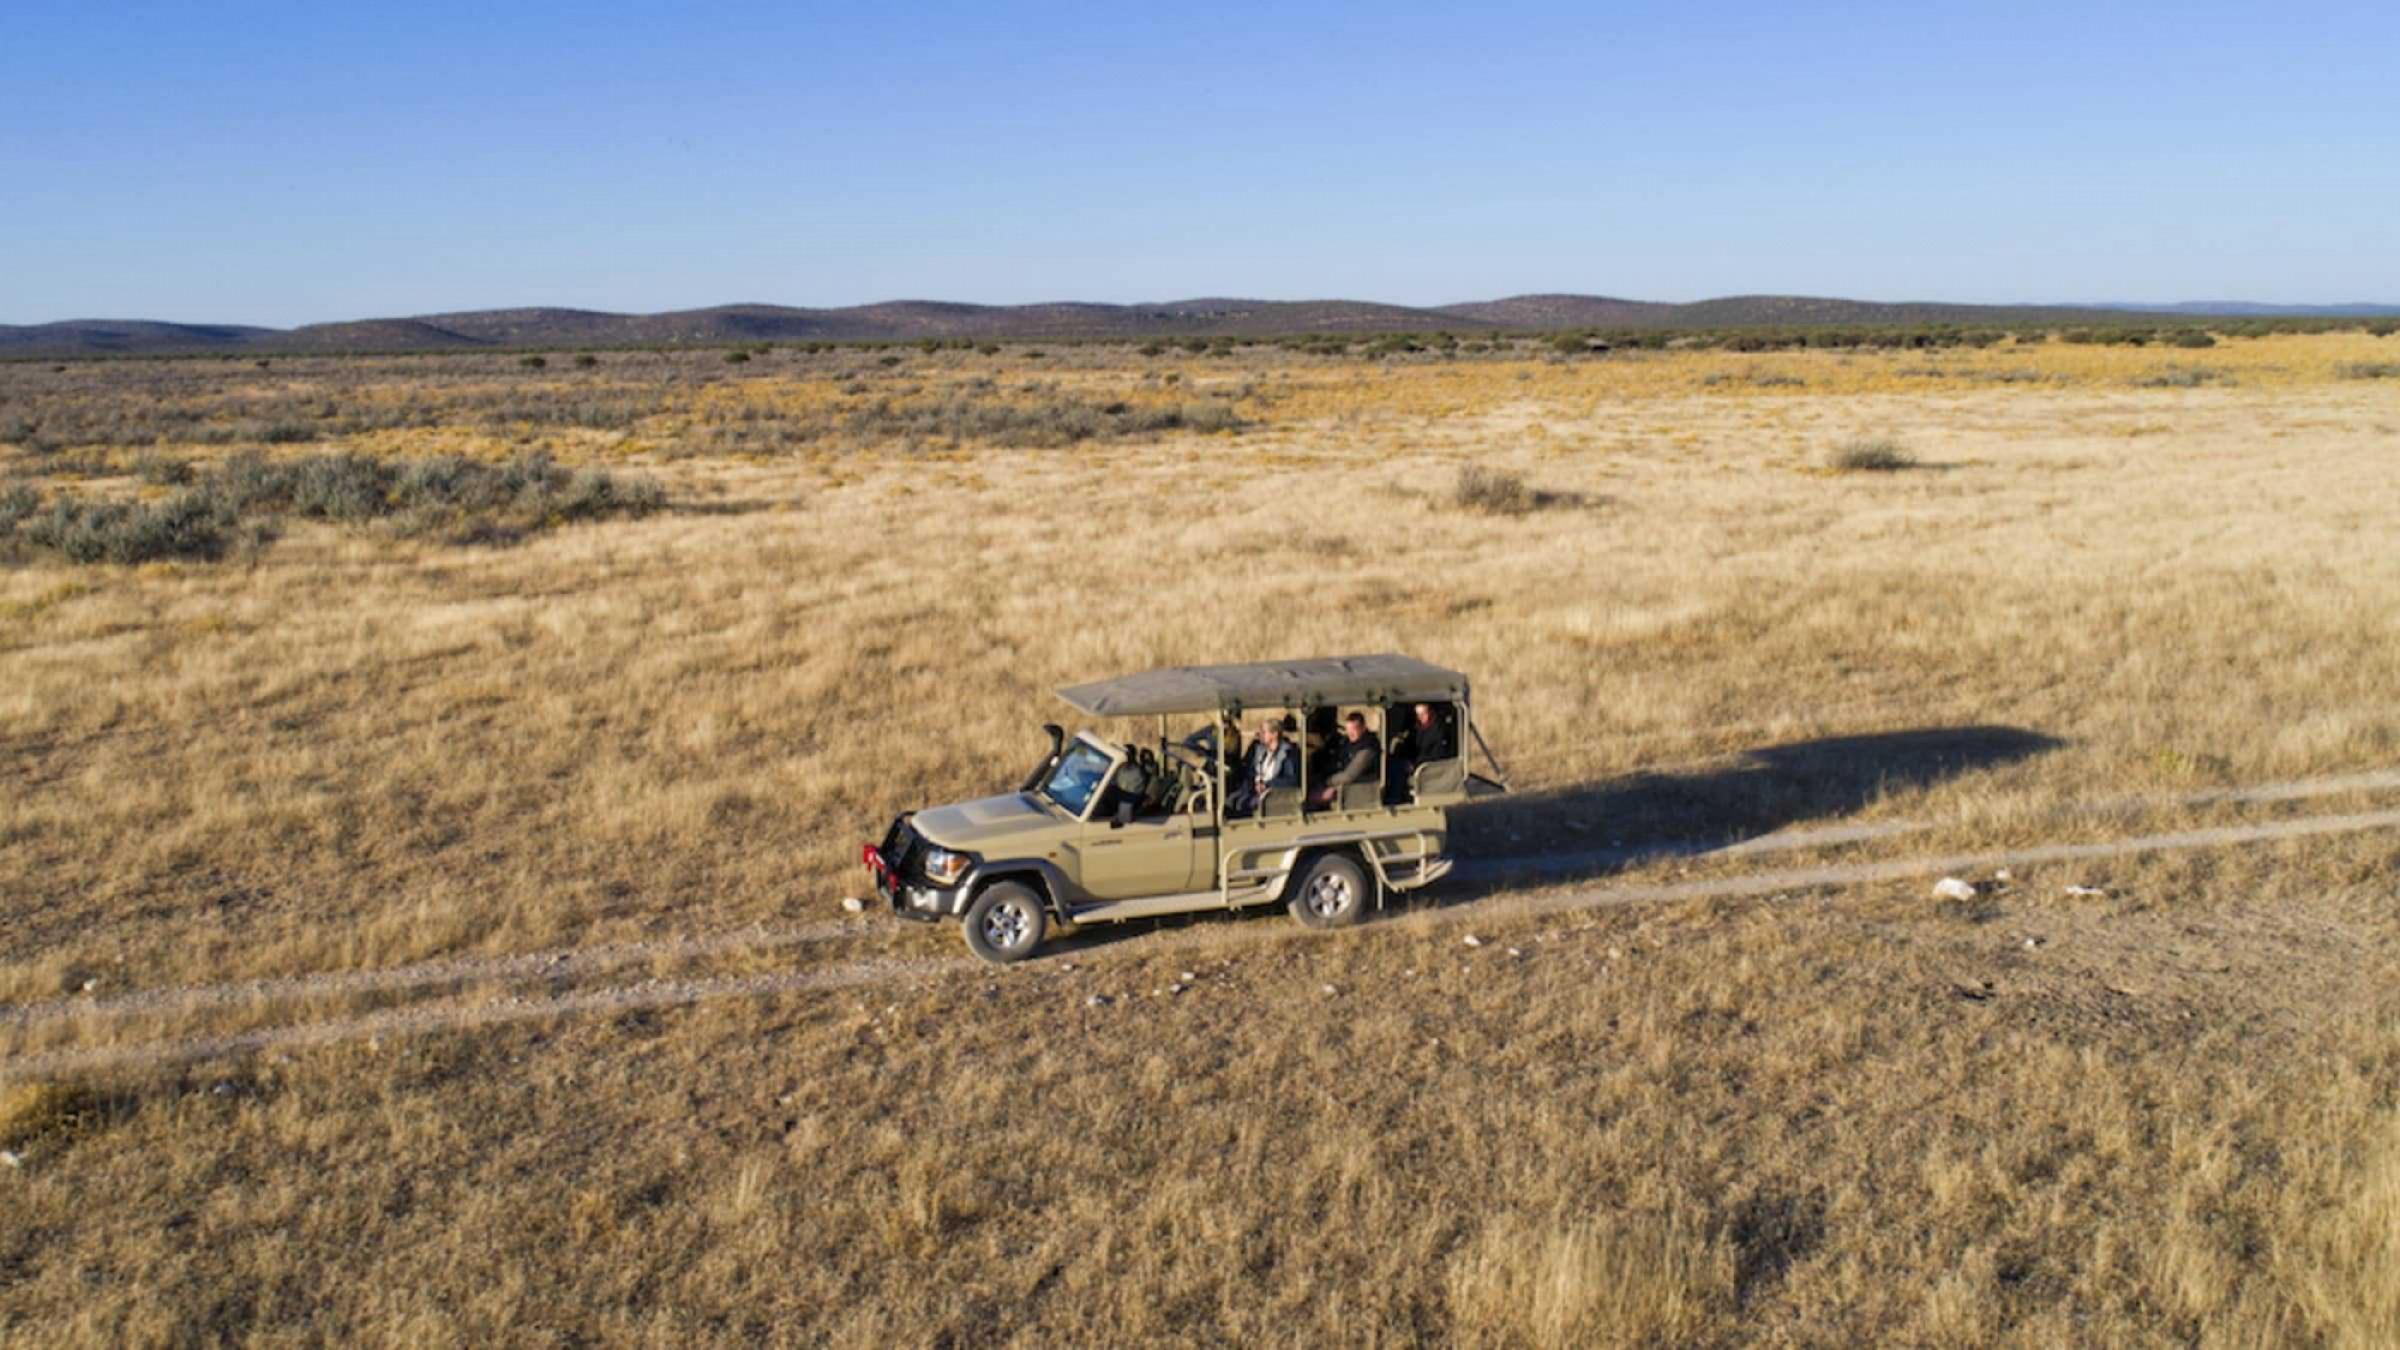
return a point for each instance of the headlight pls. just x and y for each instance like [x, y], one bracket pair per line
[945, 867]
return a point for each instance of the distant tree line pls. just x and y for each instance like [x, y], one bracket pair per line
[2135, 330]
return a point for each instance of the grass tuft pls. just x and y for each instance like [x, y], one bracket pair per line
[35, 1111]
[1497, 492]
[1626, 1279]
[2182, 377]
[1881, 455]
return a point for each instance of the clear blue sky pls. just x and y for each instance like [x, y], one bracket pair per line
[287, 163]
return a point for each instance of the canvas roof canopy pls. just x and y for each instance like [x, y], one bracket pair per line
[1317, 682]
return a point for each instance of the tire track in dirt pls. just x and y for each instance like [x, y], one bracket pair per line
[1787, 841]
[455, 1016]
[567, 962]
[420, 1018]
[557, 962]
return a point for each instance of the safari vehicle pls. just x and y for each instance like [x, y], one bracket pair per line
[1104, 830]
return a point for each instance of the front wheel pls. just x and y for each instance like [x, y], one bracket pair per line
[1332, 893]
[1005, 923]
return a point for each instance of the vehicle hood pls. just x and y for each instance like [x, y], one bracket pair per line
[985, 822]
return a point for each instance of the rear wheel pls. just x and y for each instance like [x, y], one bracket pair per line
[1005, 923]
[1332, 893]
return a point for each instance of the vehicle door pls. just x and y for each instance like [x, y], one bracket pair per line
[1200, 819]
[1139, 858]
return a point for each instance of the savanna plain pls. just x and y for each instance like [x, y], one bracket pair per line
[430, 783]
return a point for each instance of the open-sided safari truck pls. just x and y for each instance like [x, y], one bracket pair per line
[1105, 830]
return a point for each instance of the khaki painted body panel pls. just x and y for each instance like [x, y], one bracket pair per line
[1188, 860]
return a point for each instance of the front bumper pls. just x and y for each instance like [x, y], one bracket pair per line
[909, 898]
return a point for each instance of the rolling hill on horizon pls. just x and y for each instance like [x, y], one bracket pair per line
[916, 320]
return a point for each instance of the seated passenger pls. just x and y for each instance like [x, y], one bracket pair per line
[1206, 741]
[1431, 736]
[1324, 745]
[1423, 739]
[1359, 761]
[1270, 764]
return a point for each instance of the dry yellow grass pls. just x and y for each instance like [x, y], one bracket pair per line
[1841, 1114]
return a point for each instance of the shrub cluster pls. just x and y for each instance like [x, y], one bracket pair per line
[468, 500]
[530, 491]
[1046, 423]
[190, 524]
[2368, 370]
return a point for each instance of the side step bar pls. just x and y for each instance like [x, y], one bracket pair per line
[1150, 906]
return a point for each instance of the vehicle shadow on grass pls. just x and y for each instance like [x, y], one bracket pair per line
[1593, 830]
[1590, 831]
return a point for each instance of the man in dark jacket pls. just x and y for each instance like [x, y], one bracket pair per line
[1431, 739]
[1422, 740]
[1360, 760]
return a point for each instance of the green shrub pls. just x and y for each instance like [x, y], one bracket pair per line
[1497, 492]
[737, 357]
[532, 362]
[2191, 339]
[2181, 377]
[473, 501]
[15, 505]
[343, 487]
[1492, 491]
[988, 348]
[162, 470]
[887, 362]
[2382, 329]
[586, 361]
[1870, 456]
[279, 432]
[2368, 370]
[594, 494]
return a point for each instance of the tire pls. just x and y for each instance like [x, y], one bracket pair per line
[1332, 893]
[1005, 923]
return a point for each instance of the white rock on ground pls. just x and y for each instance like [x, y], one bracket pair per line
[1473, 941]
[1953, 888]
[8, 1159]
[853, 904]
[2085, 890]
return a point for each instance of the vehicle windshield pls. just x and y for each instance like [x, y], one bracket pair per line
[1080, 772]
